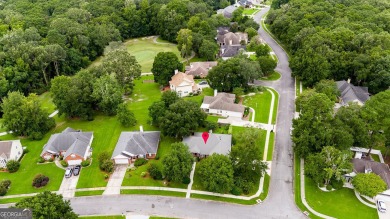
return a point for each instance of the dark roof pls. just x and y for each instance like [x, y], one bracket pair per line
[223, 30]
[230, 38]
[223, 101]
[137, 143]
[351, 93]
[245, 2]
[380, 169]
[216, 143]
[5, 148]
[69, 140]
[228, 11]
[230, 51]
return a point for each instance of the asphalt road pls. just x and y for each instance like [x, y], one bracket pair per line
[280, 200]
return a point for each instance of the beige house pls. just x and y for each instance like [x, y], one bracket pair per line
[10, 150]
[222, 104]
[232, 39]
[183, 84]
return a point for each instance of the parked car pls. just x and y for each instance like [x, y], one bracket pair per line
[76, 170]
[381, 206]
[203, 83]
[68, 172]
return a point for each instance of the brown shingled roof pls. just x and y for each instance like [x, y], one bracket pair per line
[180, 77]
[223, 101]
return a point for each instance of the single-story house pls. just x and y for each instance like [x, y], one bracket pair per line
[200, 69]
[222, 104]
[10, 150]
[226, 52]
[369, 166]
[73, 145]
[350, 93]
[216, 143]
[183, 84]
[134, 145]
[231, 39]
[228, 11]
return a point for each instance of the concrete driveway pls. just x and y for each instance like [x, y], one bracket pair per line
[386, 200]
[115, 181]
[68, 186]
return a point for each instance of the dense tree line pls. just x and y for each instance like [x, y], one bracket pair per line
[336, 39]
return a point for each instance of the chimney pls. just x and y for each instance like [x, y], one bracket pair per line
[141, 129]
[349, 80]
[210, 131]
[176, 71]
[215, 92]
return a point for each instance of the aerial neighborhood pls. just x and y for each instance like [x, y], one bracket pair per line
[110, 107]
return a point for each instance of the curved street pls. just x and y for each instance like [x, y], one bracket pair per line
[280, 200]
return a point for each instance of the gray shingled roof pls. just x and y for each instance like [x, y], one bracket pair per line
[380, 169]
[230, 51]
[69, 140]
[228, 11]
[216, 143]
[137, 143]
[223, 101]
[5, 148]
[350, 93]
[200, 68]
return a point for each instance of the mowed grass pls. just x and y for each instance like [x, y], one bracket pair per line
[199, 98]
[47, 102]
[89, 193]
[250, 11]
[340, 203]
[261, 103]
[272, 77]
[104, 217]
[145, 50]
[152, 192]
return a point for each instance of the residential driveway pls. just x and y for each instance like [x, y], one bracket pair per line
[68, 186]
[115, 181]
[386, 199]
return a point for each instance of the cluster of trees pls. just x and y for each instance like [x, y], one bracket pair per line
[240, 171]
[98, 88]
[164, 66]
[336, 40]
[176, 117]
[50, 205]
[17, 116]
[40, 40]
[235, 72]
[351, 125]
[177, 164]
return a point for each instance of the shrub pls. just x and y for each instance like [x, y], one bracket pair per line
[155, 172]
[41, 160]
[329, 187]
[211, 125]
[107, 166]
[25, 151]
[36, 136]
[106, 176]
[3, 191]
[369, 184]
[51, 160]
[104, 156]
[85, 163]
[337, 184]
[64, 163]
[157, 157]
[143, 174]
[236, 191]
[61, 157]
[40, 180]
[5, 183]
[140, 162]
[186, 180]
[13, 166]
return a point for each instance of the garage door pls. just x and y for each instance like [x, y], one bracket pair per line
[121, 161]
[74, 162]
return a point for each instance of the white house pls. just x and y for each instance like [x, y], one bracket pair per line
[10, 150]
[222, 104]
[183, 84]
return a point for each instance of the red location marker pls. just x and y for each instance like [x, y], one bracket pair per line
[205, 136]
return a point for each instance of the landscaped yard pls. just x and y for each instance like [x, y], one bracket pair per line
[261, 103]
[199, 98]
[105, 217]
[89, 193]
[250, 11]
[47, 102]
[340, 203]
[272, 77]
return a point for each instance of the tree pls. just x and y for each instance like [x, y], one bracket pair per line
[262, 50]
[13, 166]
[316, 112]
[155, 172]
[123, 66]
[329, 88]
[208, 50]
[164, 66]
[169, 97]
[177, 164]
[157, 111]
[251, 32]
[369, 184]
[108, 94]
[267, 64]
[216, 172]
[329, 164]
[184, 42]
[246, 159]
[181, 119]
[17, 116]
[125, 116]
[50, 205]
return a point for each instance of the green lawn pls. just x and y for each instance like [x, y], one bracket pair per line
[47, 102]
[272, 77]
[152, 192]
[267, 179]
[11, 200]
[340, 203]
[104, 217]
[199, 98]
[89, 193]
[156, 217]
[223, 199]
[2, 129]
[250, 11]
[375, 157]
[271, 146]
[261, 103]
[198, 59]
